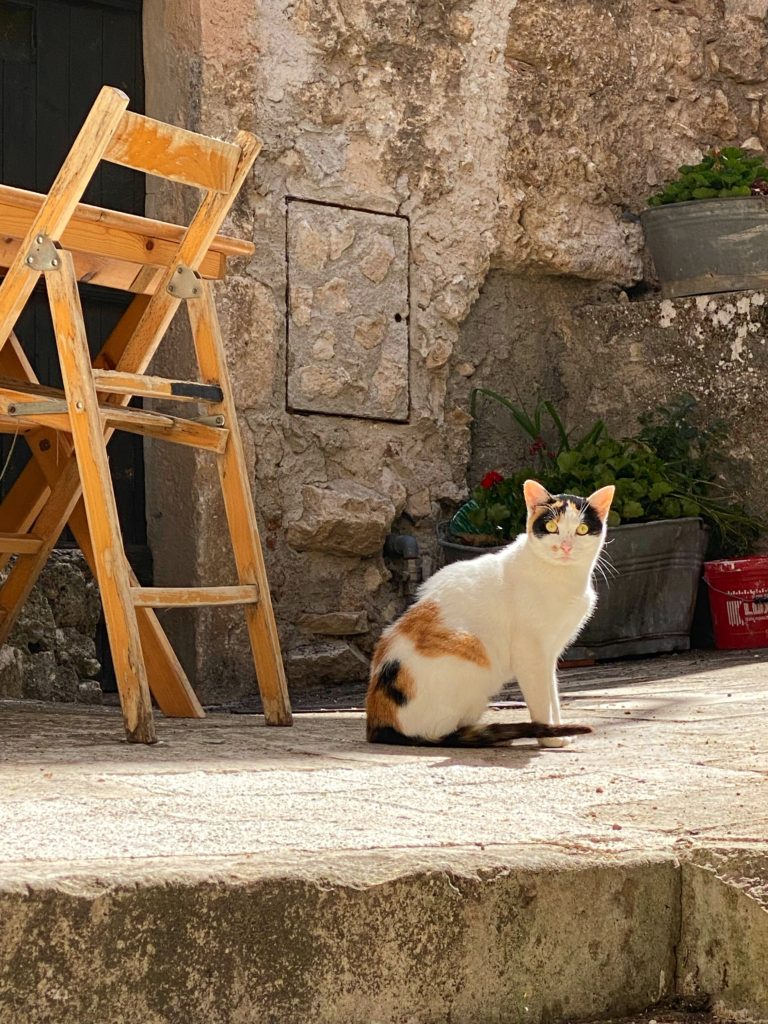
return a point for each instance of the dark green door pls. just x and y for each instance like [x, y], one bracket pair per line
[54, 57]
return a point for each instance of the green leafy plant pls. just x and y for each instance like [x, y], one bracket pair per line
[667, 470]
[722, 173]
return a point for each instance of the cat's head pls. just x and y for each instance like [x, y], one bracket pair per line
[563, 528]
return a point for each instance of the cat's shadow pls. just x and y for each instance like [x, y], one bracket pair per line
[502, 756]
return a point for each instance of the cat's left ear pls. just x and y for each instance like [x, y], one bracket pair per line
[535, 494]
[601, 501]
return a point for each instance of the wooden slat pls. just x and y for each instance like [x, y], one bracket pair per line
[25, 201]
[241, 516]
[19, 543]
[173, 153]
[60, 203]
[116, 383]
[111, 564]
[93, 241]
[166, 428]
[98, 270]
[197, 240]
[187, 597]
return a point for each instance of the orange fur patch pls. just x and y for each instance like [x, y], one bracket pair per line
[380, 653]
[380, 709]
[422, 625]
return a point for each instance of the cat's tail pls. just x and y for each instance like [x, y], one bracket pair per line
[477, 735]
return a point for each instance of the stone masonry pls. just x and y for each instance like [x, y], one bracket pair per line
[410, 148]
[51, 654]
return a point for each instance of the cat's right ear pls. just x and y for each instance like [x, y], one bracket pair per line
[601, 501]
[535, 494]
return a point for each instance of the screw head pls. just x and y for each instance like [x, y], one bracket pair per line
[30, 260]
[40, 239]
[55, 261]
[45, 445]
[179, 270]
[171, 287]
[79, 406]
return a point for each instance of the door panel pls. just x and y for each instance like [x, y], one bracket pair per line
[54, 57]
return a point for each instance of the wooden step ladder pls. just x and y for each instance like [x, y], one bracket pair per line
[68, 481]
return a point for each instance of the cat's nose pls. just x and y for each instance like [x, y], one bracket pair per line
[566, 546]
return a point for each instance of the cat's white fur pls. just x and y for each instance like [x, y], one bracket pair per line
[525, 603]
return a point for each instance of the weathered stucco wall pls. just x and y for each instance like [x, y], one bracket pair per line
[519, 135]
[614, 361]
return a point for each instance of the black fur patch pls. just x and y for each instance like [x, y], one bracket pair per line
[386, 734]
[386, 680]
[557, 506]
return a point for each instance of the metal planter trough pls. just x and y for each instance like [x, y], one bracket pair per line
[709, 245]
[646, 605]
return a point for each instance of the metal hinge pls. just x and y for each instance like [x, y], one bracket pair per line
[185, 283]
[43, 254]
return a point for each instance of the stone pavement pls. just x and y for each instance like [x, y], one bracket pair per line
[301, 874]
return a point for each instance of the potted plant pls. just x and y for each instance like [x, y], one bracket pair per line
[707, 231]
[669, 509]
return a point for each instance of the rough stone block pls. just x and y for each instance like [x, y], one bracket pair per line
[40, 676]
[329, 661]
[11, 672]
[344, 518]
[334, 623]
[348, 312]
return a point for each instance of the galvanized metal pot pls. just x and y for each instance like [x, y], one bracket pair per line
[709, 245]
[646, 604]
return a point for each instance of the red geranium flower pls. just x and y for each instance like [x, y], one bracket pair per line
[491, 479]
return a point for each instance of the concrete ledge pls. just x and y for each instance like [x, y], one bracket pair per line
[234, 874]
[724, 947]
[466, 939]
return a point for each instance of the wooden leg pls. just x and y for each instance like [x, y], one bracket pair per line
[241, 516]
[99, 499]
[43, 476]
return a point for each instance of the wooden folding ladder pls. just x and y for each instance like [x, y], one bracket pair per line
[68, 480]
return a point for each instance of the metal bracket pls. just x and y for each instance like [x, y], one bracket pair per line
[43, 254]
[51, 407]
[185, 283]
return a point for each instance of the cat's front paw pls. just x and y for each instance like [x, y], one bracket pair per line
[555, 741]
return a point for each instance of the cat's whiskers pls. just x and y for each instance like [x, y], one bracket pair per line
[605, 567]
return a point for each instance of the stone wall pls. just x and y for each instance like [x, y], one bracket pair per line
[596, 358]
[51, 653]
[409, 147]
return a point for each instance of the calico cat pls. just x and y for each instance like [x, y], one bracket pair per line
[478, 623]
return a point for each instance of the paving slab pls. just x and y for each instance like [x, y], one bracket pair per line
[244, 874]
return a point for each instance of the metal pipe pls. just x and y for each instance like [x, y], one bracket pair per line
[403, 545]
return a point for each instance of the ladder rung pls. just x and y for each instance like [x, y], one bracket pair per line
[19, 544]
[26, 414]
[166, 428]
[179, 597]
[115, 382]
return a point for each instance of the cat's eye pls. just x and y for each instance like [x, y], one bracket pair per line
[551, 526]
[581, 529]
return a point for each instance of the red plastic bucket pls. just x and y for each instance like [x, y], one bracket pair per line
[738, 597]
